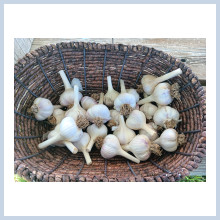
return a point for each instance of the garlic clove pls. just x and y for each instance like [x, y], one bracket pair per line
[149, 82]
[111, 94]
[87, 102]
[133, 92]
[123, 133]
[77, 82]
[42, 108]
[111, 148]
[148, 109]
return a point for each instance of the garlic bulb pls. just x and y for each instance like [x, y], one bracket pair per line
[133, 92]
[111, 94]
[81, 146]
[125, 102]
[148, 109]
[98, 114]
[67, 97]
[145, 95]
[123, 133]
[42, 108]
[67, 144]
[67, 131]
[87, 102]
[77, 82]
[57, 117]
[111, 148]
[94, 133]
[137, 121]
[166, 117]
[114, 118]
[162, 95]
[76, 110]
[142, 147]
[149, 82]
[144, 132]
[170, 139]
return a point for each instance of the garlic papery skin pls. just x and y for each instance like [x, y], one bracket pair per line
[111, 147]
[77, 82]
[67, 144]
[114, 117]
[125, 102]
[170, 139]
[42, 108]
[87, 102]
[166, 117]
[144, 132]
[57, 117]
[81, 146]
[67, 97]
[161, 95]
[149, 82]
[98, 114]
[111, 94]
[148, 109]
[133, 92]
[123, 133]
[137, 121]
[95, 132]
[67, 130]
[76, 110]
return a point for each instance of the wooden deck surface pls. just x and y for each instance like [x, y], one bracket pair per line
[192, 51]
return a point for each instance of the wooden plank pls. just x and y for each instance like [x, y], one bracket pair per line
[38, 42]
[201, 170]
[190, 50]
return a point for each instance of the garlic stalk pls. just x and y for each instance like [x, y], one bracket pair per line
[81, 146]
[163, 94]
[42, 108]
[111, 94]
[68, 131]
[137, 121]
[166, 117]
[114, 118]
[98, 114]
[144, 132]
[125, 102]
[77, 82]
[94, 133]
[67, 144]
[149, 82]
[169, 140]
[77, 112]
[148, 109]
[111, 148]
[87, 102]
[67, 97]
[57, 117]
[123, 133]
[142, 147]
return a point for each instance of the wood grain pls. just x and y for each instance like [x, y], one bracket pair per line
[201, 170]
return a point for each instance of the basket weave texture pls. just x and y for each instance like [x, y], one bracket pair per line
[36, 75]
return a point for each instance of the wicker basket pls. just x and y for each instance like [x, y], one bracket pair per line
[37, 75]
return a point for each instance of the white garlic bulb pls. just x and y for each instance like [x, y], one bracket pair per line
[111, 148]
[148, 109]
[166, 117]
[170, 139]
[42, 108]
[87, 102]
[57, 117]
[123, 133]
[133, 92]
[67, 144]
[111, 94]
[68, 131]
[125, 102]
[94, 133]
[81, 146]
[137, 121]
[76, 110]
[98, 114]
[160, 95]
[149, 82]
[115, 116]
[77, 82]
[67, 97]
[144, 132]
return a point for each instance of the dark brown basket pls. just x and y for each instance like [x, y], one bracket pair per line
[37, 75]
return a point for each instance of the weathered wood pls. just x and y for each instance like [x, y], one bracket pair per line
[201, 170]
